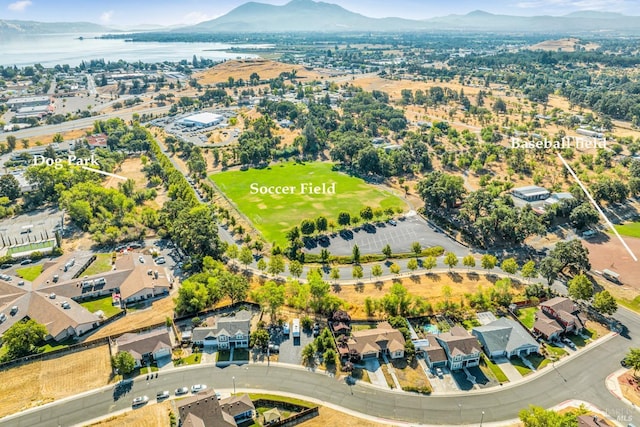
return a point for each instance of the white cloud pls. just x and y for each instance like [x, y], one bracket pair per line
[196, 17]
[105, 17]
[19, 6]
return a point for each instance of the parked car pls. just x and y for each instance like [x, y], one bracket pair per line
[25, 261]
[181, 391]
[160, 260]
[392, 222]
[274, 348]
[439, 373]
[140, 400]
[316, 329]
[569, 343]
[624, 363]
[285, 329]
[161, 395]
[198, 387]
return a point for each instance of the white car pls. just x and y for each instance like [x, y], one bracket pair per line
[198, 387]
[140, 400]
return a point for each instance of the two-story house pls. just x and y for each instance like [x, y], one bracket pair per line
[462, 349]
[558, 315]
[224, 332]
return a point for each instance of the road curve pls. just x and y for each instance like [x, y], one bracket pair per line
[583, 377]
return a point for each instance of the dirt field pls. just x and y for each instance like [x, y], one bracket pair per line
[48, 139]
[606, 251]
[242, 69]
[148, 416]
[330, 417]
[161, 309]
[562, 45]
[38, 383]
[131, 168]
[429, 287]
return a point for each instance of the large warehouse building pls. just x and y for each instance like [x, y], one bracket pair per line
[202, 120]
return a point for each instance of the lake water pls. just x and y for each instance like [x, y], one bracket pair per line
[50, 50]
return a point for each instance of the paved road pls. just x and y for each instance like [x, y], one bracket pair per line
[582, 377]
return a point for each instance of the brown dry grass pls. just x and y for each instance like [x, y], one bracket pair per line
[429, 287]
[131, 168]
[148, 416]
[158, 313]
[242, 69]
[331, 417]
[38, 383]
[48, 139]
[608, 253]
[630, 387]
[562, 45]
[410, 376]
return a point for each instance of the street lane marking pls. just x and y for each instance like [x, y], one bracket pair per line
[593, 202]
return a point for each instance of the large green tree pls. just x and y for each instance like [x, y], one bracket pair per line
[580, 287]
[605, 303]
[441, 190]
[22, 338]
[536, 416]
[9, 187]
[124, 362]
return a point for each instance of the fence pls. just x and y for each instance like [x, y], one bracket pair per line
[303, 413]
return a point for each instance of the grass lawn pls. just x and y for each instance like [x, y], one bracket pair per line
[31, 247]
[387, 375]
[361, 327]
[240, 354]
[29, 273]
[527, 316]
[292, 400]
[102, 264]
[193, 359]
[51, 346]
[411, 378]
[103, 304]
[537, 361]
[273, 214]
[487, 364]
[631, 229]
[520, 367]
[148, 369]
[557, 351]
[223, 356]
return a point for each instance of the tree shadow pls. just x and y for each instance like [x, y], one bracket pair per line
[359, 287]
[336, 288]
[472, 275]
[491, 277]
[433, 276]
[415, 278]
[379, 285]
[457, 278]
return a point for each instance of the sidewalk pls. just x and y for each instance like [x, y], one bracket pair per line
[613, 385]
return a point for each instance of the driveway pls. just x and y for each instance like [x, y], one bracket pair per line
[509, 370]
[291, 348]
[372, 239]
[209, 354]
[374, 370]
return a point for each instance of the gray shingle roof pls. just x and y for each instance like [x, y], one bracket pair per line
[504, 335]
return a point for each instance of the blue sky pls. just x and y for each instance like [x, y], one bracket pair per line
[173, 12]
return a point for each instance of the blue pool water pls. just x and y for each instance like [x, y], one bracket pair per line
[431, 329]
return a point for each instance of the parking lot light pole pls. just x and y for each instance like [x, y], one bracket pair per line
[234, 384]
[481, 418]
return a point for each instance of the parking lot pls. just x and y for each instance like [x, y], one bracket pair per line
[411, 228]
[41, 224]
[198, 135]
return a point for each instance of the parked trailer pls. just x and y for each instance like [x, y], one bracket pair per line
[295, 328]
[611, 276]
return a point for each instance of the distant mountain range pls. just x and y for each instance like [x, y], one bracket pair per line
[317, 16]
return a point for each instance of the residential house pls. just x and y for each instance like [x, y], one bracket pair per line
[239, 407]
[505, 337]
[203, 410]
[97, 140]
[433, 352]
[566, 312]
[224, 332]
[462, 349]
[547, 327]
[383, 339]
[592, 421]
[147, 346]
[340, 323]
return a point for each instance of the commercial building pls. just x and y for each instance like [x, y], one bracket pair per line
[31, 101]
[531, 193]
[202, 120]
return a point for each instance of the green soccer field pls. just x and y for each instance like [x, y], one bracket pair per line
[632, 229]
[274, 214]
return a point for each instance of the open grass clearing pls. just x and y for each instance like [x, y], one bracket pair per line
[29, 273]
[150, 415]
[555, 351]
[102, 264]
[274, 214]
[527, 316]
[432, 287]
[411, 377]
[631, 229]
[520, 367]
[104, 304]
[37, 383]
